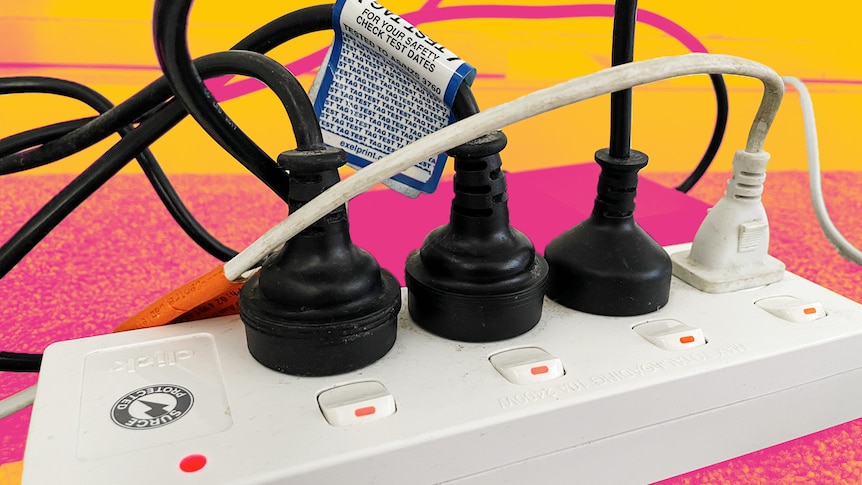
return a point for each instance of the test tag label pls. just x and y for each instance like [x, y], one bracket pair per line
[383, 85]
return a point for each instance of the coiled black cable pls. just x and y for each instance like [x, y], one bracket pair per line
[156, 176]
[38, 136]
[169, 30]
[723, 107]
[625, 18]
[170, 20]
[271, 35]
[111, 121]
[246, 63]
[140, 107]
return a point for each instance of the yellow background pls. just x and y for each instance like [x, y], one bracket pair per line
[672, 120]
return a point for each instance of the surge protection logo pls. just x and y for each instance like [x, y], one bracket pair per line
[152, 406]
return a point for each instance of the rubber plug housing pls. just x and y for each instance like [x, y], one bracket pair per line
[477, 279]
[608, 265]
[320, 306]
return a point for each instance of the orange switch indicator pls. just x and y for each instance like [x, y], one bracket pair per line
[366, 411]
[792, 309]
[527, 365]
[670, 334]
[542, 369]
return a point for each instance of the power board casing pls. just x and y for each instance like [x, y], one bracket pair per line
[188, 404]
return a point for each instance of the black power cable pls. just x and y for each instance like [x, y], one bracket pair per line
[169, 25]
[38, 136]
[273, 74]
[288, 27]
[717, 134]
[157, 177]
[170, 20]
[135, 109]
[141, 105]
[622, 52]
[20, 362]
[113, 120]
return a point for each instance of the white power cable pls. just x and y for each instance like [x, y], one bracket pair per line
[572, 91]
[841, 244]
[17, 402]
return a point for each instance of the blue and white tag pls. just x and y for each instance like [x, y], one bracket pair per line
[383, 85]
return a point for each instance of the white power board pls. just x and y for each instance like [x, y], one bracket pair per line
[188, 404]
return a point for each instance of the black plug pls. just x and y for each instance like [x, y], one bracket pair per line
[320, 306]
[608, 265]
[477, 279]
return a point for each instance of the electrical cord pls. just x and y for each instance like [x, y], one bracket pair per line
[579, 89]
[262, 40]
[721, 115]
[288, 27]
[20, 362]
[215, 295]
[38, 136]
[622, 52]
[17, 401]
[150, 166]
[170, 23]
[246, 63]
[319, 18]
[59, 87]
[844, 247]
[465, 103]
[142, 104]
[111, 121]
[271, 35]
[170, 20]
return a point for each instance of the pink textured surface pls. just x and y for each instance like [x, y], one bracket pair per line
[120, 250]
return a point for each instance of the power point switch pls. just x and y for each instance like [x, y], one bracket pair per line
[527, 365]
[356, 403]
[792, 309]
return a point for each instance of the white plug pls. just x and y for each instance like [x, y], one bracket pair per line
[729, 251]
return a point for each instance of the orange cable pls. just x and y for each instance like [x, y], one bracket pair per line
[211, 294]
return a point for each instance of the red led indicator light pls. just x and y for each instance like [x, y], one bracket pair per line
[193, 463]
[542, 369]
[364, 411]
[686, 340]
[809, 311]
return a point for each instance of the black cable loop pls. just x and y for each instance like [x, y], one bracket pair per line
[223, 63]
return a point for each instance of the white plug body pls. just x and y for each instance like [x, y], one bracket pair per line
[729, 251]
